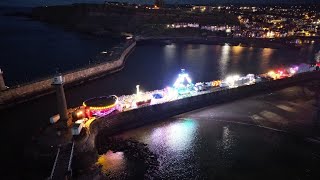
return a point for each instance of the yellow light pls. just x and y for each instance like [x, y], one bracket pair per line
[273, 75]
[88, 122]
[79, 113]
[216, 83]
[103, 107]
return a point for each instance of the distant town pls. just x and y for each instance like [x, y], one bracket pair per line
[161, 19]
[267, 22]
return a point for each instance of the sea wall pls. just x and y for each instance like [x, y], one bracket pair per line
[37, 88]
[142, 116]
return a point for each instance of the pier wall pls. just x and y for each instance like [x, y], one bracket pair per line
[142, 116]
[34, 89]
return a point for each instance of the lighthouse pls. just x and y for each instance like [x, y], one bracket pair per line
[2, 84]
[58, 82]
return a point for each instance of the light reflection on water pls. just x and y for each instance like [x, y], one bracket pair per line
[224, 60]
[169, 52]
[112, 162]
[237, 50]
[202, 148]
[208, 62]
[226, 140]
[175, 144]
[266, 55]
[225, 147]
[237, 54]
[177, 136]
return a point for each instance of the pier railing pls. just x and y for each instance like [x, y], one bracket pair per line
[70, 159]
[54, 164]
[62, 165]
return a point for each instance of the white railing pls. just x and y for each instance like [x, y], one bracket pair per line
[54, 164]
[70, 159]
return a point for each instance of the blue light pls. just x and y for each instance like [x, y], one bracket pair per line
[183, 83]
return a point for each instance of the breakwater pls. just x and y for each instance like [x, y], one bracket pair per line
[112, 63]
[116, 123]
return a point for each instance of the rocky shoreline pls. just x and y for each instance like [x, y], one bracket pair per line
[141, 162]
[145, 162]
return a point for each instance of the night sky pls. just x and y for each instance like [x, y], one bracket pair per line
[55, 2]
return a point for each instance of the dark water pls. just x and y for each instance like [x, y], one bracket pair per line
[226, 142]
[32, 49]
[203, 148]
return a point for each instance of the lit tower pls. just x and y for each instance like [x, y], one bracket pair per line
[2, 84]
[58, 82]
[138, 90]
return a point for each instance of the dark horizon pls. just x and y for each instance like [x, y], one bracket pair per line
[33, 3]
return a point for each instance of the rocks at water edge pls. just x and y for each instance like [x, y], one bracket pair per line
[135, 151]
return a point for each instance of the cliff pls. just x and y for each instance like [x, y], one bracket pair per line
[103, 18]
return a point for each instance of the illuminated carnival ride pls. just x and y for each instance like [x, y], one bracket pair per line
[142, 99]
[101, 106]
[183, 84]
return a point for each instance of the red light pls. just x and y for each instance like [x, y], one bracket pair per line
[88, 113]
